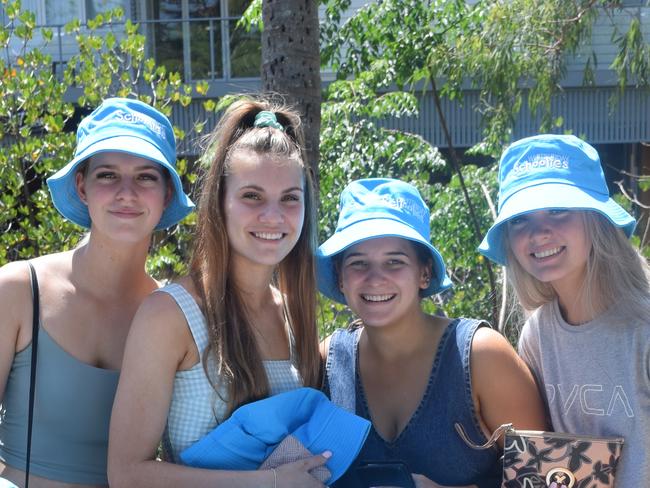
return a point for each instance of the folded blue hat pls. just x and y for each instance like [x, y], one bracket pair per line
[550, 171]
[378, 207]
[127, 126]
[253, 431]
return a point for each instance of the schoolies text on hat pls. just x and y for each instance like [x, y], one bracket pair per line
[127, 126]
[378, 207]
[550, 171]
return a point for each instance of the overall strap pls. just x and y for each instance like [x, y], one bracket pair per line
[341, 368]
[32, 376]
[465, 331]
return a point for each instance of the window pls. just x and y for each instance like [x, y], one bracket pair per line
[59, 12]
[167, 34]
[202, 41]
[95, 7]
[245, 47]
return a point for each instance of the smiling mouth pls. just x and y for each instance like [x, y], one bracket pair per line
[268, 236]
[127, 214]
[548, 252]
[377, 298]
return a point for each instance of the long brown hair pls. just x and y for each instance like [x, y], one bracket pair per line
[233, 353]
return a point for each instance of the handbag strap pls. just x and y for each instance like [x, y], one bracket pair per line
[32, 376]
[502, 429]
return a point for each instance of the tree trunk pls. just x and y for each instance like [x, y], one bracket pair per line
[291, 62]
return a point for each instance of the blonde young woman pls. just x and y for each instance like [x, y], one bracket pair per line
[122, 184]
[586, 290]
[241, 326]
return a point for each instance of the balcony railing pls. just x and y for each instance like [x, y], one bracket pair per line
[207, 48]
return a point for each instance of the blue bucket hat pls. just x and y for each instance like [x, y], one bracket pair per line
[550, 171]
[253, 431]
[372, 208]
[127, 126]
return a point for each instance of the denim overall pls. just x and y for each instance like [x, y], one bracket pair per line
[429, 444]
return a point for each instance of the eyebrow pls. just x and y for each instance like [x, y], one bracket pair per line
[142, 167]
[260, 189]
[390, 253]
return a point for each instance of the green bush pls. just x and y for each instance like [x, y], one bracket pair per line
[38, 116]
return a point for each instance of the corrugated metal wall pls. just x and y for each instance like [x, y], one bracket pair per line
[592, 113]
[186, 118]
[587, 112]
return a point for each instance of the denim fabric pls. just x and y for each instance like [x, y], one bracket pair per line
[429, 444]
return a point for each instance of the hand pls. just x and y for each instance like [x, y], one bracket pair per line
[424, 482]
[296, 474]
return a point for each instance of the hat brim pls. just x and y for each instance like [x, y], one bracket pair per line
[254, 430]
[549, 196]
[63, 187]
[373, 229]
[338, 431]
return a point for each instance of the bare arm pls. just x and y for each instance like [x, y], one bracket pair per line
[16, 317]
[503, 387]
[158, 345]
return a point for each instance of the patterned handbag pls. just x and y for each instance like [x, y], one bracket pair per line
[537, 459]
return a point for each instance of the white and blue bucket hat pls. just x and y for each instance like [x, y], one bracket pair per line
[545, 172]
[127, 126]
[379, 207]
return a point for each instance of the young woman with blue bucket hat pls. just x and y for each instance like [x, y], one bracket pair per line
[121, 184]
[412, 374]
[585, 290]
[241, 326]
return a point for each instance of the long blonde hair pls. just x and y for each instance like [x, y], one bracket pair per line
[232, 344]
[615, 272]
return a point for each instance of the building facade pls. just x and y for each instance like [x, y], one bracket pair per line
[200, 40]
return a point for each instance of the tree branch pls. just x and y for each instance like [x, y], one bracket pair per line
[470, 207]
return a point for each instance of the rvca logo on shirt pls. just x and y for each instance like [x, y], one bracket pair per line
[591, 399]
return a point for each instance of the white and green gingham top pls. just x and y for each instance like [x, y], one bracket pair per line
[195, 407]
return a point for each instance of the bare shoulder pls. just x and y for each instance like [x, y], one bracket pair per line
[16, 304]
[325, 347]
[494, 357]
[489, 344]
[503, 387]
[15, 282]
[14, 277]
[158, 311]
[159, 325]
[16, 293]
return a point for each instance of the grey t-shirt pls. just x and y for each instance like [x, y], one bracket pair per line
[596, 379]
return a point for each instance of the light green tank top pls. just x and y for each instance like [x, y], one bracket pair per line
[72, 408]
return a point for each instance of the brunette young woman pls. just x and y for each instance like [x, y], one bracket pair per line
[241, 326]
[415, 376]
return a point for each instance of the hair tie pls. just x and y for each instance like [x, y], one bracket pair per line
[267, 119]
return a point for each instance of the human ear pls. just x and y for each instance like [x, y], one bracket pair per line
[169, 193]
[426, 272]
[80, 185]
